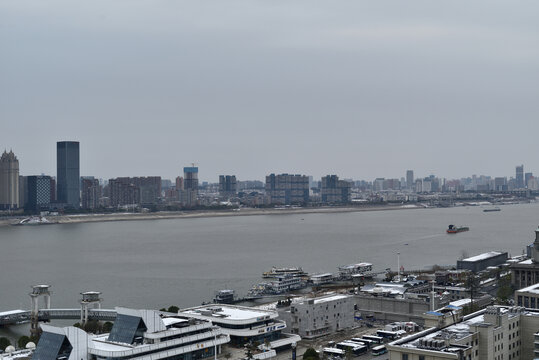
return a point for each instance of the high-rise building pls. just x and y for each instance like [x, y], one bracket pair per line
[410, 179]
[190, 178]
[527, 177]
[287, 189]
[228, 186]
[38, 192]
[189, 195]
[68, 173]
[91, 193]
[519, 178]
[9, 181]
[123, 192]
[335, 191]
[179, 183]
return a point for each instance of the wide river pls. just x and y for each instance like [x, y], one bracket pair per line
[157, 263]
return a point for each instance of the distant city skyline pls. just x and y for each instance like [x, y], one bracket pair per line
[357, 88]
[511, 172]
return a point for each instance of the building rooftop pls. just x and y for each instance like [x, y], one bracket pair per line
[534, 289]
[483, 256]
[229, 312]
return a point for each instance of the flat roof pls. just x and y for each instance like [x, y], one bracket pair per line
[534, 289]
[228, 312]
[483, 256]
[329, 298]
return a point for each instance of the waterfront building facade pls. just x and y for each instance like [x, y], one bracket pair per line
[245, 324]
[9, 181]
[528, 297]
[286, 189]
[228, 186]
[335, 191]
[496, 332]
[135, 335]
[123, 192]
[68, 173]
[38, 193]
[91, 193]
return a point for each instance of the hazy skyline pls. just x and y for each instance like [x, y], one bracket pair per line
[354, 88]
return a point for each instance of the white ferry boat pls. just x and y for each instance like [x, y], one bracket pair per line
[282, 271]
[346, 271]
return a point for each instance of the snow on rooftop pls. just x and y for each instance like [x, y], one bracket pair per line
[483, 256]
[461, 302]
[216, 312]
[329, 298]
[170, 321]
[534, 289]
[526, 262]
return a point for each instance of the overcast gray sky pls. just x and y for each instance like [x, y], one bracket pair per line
[361, 89]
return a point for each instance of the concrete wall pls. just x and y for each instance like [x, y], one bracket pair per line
[391, 309]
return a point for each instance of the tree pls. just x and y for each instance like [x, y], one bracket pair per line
[163, 309]
[173, 309]
[505, 291]
[4, 343]
[107, 326]
[23, 340]
[311, 354]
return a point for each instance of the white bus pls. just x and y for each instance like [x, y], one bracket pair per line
[376, 339]
[392, 335]
[355, 348]
[334, 352]
[379, 350]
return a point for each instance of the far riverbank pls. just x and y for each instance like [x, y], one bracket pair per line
[87, 218]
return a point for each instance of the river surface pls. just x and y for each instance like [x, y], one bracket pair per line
[157, 263]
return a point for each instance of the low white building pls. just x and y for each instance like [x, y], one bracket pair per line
[321, 316]
[135, 335]
[245, 324]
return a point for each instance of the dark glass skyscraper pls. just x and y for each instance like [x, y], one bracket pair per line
[68, 173]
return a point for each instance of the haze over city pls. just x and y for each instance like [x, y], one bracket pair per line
[361, 89]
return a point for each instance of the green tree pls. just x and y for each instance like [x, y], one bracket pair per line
[107, 326]
[505, 290]
[173, 309]
[23, 340]
[311, 354]
[163, 309]
[4, 343]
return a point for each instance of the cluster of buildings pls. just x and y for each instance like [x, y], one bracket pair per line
[69, 190]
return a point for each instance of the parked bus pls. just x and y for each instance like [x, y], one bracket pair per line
[367, 342]
[356, 342]
[334, 353]
[376, 339]
[379, 350]
[354, 348]
[391, 335]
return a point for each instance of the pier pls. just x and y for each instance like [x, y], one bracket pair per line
[90, 309]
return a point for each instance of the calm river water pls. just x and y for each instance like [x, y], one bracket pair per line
[152, 264]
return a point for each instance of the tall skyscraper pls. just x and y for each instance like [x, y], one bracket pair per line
[527, 177]
[68, 173]
[189, 195]
[519, 178]
[9, 181]
[410, 179]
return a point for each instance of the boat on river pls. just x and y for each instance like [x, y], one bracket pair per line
[452, 229]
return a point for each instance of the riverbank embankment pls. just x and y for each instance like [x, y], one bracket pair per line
[88, 218]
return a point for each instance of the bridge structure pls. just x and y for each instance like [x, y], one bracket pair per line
[14, 317]
[90, 310]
